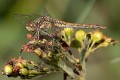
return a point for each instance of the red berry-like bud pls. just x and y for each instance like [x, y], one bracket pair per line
[29, 36]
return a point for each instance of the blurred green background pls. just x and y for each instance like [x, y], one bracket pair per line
[103, 65]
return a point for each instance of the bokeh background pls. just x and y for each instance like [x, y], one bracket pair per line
[104, 64]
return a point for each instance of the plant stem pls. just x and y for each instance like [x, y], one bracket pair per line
[67, 69]
[83, 72]
[81, 19]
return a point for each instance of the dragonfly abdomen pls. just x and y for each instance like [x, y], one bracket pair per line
[75, 25]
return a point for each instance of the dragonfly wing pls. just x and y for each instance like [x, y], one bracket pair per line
[21, 18]
[44, 12]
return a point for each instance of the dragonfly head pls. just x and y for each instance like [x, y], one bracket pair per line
[31, 26]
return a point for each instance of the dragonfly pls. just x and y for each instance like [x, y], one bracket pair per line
[48, 25]
[43, 23]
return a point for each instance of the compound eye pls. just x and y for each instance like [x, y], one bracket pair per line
[30, 26]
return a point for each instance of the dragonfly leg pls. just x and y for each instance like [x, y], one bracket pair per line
[38, 35]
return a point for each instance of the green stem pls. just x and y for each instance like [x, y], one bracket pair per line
[81, 19]
[83, 72]
[67, 69]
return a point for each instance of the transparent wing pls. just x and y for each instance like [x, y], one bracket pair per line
[22, 18]
[44, 12]
[51, 28]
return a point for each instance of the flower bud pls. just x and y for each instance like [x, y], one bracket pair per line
[80, 35]
[68, 31]
[77, 61]
[29, 36]
[23, 71]
[38, 51]
[97, 36]
[107, 41]
[24, 63]
[8, 69]
[19, 64]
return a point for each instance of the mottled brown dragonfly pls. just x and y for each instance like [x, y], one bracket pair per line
[50, 26]
[43, 23]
